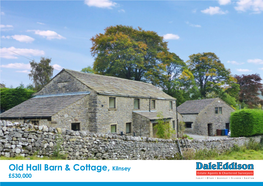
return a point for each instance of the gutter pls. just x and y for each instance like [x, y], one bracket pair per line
[143, 97]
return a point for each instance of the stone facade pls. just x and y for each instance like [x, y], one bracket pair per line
[142, 125]
[75, 113]
[125, 113]
[207, 121]
[63, 83]
[190, 118]
[208, 116]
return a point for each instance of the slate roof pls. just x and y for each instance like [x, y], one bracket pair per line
[194, 106]
[41, 107]
[152, 115]
[108, 85]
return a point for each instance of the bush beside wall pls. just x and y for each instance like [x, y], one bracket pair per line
[246, 122]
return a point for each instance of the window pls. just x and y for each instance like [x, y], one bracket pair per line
[136, 104]
[128, 128]
[188, 125]
[153, 104]
[35, 122]
[112, 102]
[171, 105]
[75, 126]
[173, 125]
[113, 128]
[218, 110]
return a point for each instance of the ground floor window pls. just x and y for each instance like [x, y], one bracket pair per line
[75, 126]
[35, 122]
[188, 125]
[128, 128]
[113, 128]
[173, 125]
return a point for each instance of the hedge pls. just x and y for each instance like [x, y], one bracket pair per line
[246, 122]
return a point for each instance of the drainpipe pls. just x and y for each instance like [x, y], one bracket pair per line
[176, 120]
[150, 104]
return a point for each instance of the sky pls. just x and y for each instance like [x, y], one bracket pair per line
[61, 30]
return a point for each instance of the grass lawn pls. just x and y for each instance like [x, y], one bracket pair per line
[242, 155]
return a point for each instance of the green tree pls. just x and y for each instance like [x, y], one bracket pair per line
[183, 87]
[10, 97]
[88, 69]
[209, 73]
[163, 128]
[41, 72]
[125, 52]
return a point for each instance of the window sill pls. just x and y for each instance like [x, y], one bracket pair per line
[112, 109]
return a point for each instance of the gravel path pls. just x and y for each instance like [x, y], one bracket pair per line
[195, 136]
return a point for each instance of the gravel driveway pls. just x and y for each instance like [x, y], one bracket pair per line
[195, 136]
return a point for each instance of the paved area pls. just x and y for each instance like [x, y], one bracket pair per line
[195, 136]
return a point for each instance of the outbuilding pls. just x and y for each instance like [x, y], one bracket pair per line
[205, 116]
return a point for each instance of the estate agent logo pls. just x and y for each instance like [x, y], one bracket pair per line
[226, 169]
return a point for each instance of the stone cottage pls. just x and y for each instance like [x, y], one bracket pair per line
[96, 103]
[205, 116]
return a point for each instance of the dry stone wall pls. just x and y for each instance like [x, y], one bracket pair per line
[26, 140]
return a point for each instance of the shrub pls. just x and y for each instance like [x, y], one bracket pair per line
[253, 145]
[163, 128]
[181, 129]
[246, 122]
[11, 97]
[57, 151]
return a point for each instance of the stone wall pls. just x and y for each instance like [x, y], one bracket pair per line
[222, 144]
[26, 140]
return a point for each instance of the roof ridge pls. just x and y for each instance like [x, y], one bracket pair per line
[122, 79]
[202, 99]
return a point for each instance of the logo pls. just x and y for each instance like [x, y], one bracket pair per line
[226, 169]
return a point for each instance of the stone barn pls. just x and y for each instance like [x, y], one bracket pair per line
[205, 116]
[96, 103]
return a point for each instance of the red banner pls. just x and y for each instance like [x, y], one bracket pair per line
[224, 173]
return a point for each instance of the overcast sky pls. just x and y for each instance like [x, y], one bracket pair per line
[61, 30]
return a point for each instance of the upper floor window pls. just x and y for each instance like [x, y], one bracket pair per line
[136, 103]
[171, 105]
[112, 102]
[153, 104]
[218, 110]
